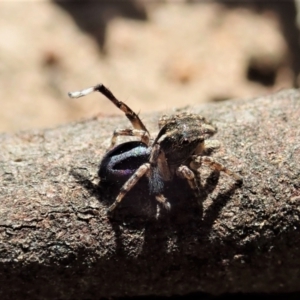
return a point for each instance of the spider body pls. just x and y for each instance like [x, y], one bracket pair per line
[179, 149]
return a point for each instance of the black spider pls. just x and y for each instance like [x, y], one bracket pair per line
[179, 149]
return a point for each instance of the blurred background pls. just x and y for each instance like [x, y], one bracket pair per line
[153, 55]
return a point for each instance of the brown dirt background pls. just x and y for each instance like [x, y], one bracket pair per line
[153, 55]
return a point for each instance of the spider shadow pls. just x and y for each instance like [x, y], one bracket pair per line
[138, 210]
[184, 224]
[128, 213]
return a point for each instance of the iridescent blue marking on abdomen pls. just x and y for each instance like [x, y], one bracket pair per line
[122, 161]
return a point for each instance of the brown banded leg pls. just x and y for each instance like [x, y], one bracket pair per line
[129, 184]
[130, 114]
[144, 135]
[186, 173]
[198, 161]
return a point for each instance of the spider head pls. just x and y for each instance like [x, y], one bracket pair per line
[180, 135]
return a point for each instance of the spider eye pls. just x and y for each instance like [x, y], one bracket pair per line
[122, 161]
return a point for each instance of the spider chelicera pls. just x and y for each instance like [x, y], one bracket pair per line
[179, 149]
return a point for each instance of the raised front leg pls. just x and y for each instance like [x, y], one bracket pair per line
[130, 114]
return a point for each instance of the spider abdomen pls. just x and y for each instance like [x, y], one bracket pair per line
[122, 161]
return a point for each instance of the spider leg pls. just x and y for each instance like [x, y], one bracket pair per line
[130, 114]
[198, 161]
[144, 135]
[129, 184]
[163, 200]
[186, 173]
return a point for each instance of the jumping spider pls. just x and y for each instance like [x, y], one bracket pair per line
[179, 149]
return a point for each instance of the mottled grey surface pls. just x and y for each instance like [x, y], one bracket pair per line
[57, 242]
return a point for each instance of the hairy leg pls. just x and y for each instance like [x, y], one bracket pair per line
[129, 184]
[130, 114]
[186, 173]
[198, 161]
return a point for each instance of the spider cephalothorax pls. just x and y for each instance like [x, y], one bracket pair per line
[179, 149]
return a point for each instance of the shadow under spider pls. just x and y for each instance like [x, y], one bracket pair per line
[98, 191]
[185, 227]
[137, 205]
[185, 224]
